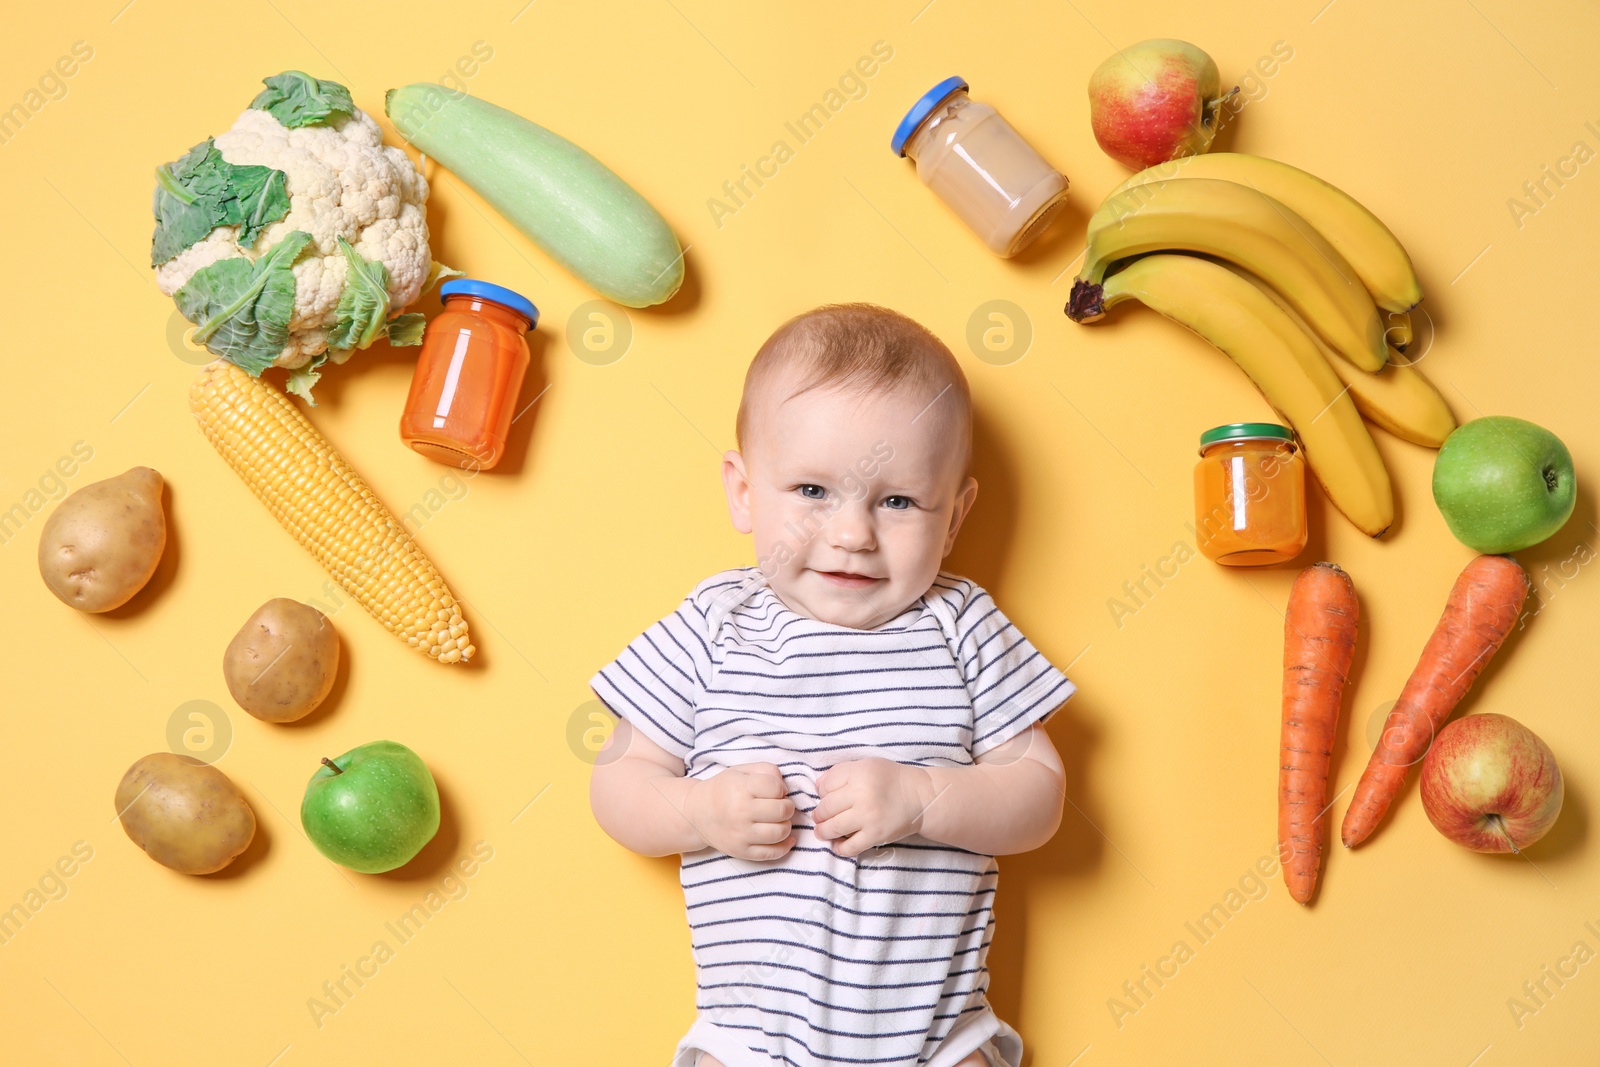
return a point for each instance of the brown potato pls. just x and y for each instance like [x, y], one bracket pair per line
[185, 814]
[282, 662]
[103, 543]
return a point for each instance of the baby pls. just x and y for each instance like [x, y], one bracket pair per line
[840, 740]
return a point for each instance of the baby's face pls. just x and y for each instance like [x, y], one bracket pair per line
[853, 501]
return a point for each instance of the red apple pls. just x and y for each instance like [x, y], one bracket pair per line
[1490, 784]
[1155, 101]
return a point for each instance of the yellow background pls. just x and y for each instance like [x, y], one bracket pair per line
[567, 948]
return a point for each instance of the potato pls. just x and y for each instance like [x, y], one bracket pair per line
[281, 663]
[102, 544]
[185, 814]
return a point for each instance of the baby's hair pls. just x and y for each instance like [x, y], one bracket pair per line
[864, 347]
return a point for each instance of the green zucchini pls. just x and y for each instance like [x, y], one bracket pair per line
[566, 201]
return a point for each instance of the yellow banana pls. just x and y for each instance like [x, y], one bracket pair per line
[1238, 224]
[1360, 236]
[1398, 397]
[1283, 362]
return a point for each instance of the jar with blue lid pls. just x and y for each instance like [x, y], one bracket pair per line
[981, 167]
[468, 374]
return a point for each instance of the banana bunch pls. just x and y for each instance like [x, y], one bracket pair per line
[1293, 280]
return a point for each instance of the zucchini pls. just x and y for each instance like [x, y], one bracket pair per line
[566, 201]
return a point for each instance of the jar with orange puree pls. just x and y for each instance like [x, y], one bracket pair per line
[1250, 495]
[469, 373]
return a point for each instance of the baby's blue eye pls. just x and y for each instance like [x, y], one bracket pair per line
[806, 491]
[898, 503]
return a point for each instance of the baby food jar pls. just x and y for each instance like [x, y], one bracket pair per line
[981, 167]
[474, 356]
[1249, 495]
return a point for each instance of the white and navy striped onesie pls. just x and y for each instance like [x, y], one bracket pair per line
[816, 958]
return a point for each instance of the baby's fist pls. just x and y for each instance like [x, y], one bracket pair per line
[871, 802]
[744, 811]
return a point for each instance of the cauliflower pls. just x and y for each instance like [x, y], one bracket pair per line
[302, 160]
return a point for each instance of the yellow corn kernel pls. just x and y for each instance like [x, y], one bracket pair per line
[313, 493]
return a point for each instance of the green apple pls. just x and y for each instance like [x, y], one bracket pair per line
[373, 808]
[1503, 483]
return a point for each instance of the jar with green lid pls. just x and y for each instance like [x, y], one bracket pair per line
[1250, 495]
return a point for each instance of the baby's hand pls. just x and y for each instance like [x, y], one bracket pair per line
[871, 801]
[744, 811]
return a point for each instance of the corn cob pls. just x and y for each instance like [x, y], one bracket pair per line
[329, 508]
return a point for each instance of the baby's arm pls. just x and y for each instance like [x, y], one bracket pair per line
[641, 797]
[638, 794]
[1009, 801]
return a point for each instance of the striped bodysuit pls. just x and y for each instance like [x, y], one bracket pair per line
[814, 958]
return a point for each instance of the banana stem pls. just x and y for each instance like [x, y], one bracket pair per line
[1089, 301]
[1086, 302]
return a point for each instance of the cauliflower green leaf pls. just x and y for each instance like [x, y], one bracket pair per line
[260, 197]
[363, 305]
[201, 191]
[438, 273]
[301, 379]
[401, 330]
[242, 308]
[295, 98]
[405, 329]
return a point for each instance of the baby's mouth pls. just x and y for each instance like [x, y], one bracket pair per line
[849, 580]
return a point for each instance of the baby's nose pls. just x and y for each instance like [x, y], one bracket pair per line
[850, 530]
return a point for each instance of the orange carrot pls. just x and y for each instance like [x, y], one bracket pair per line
[1319, 639]
[1483, 606]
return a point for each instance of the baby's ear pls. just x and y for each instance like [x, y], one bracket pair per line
[737, 485]
[964, 500]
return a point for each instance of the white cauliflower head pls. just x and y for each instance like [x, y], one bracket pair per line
[342, 181]
[294, 238]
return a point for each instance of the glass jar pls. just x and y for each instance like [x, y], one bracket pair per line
[980, 166]
[474, 356]
[1250, 495]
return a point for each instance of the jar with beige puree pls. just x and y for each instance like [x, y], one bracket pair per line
[981, 167]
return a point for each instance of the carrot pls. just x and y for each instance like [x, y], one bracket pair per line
[1483, 606]
[1319, 639]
